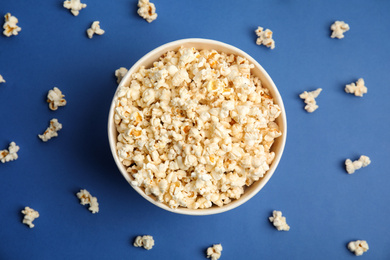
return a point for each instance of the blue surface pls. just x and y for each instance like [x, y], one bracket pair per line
[325, 207]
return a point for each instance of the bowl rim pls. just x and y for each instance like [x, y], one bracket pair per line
[275, 95]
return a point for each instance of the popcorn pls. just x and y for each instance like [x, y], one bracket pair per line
[55, 98]
[214, 252]
[147, 10]
[95, 29]
[51, 131]
[10, 154]
[10, 27]
[339, 28]
[86, 198]
[351, 167]
[359, 89]
[146, 242]
[358, 247]
[2, 80]
[309, 97]
[74, 6]
[264, 37]
[279, 221]
[29, 216]
[120, 73]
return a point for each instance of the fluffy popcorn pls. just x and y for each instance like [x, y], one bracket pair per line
[146, 242]
[95, 29]
[10, 154]
[338, 29]
[74, 6]
[2, 80]
[214, 252]
[358, 89]
[86, 198]
[29, 216]
[147, 10]
[120, 73]
[309, 98]
[358, 247]
[55, 98]
[51, 131]
[279, 221]
[264, 37]
[10, 27]
[351, 167]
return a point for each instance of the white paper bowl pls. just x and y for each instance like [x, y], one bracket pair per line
[258, 71]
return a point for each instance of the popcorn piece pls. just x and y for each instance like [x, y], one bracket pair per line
[351, 167]
[86, 198]
[95, 29]
[279, 221]
[51, 131]
[358, 247]
[74, 6]
[29, 216]
[147, 10]
[359, 89]
[2, 80]
[264, 37]
[10, 154]
[10, 27]
[120, 73]
[309, 97]
[339, 28]
[55, 98]
[214, 252]
[146, 242]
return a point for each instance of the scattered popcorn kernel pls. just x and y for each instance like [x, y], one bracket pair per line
[120, 73]
[147, 10]
[358, 89]
[2, 80]
[264, 37]
[309, 98]
[10, 154]
[95, 29]
[279, 221]
[86, 198]
[214, 252]
[146, 242]
[10, 27]
[351, 167]
[74, 6]
[358, 247]
[51, 131]
[339, 28]
[55, 98]
[29, 216]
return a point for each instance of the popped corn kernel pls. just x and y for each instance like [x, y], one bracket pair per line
[264, 37]
[146, 242]
[338, 29]
[279, 221]
[55, 98]
[74, 6]
[10, 154]
[29, 216]
[86, 198]
[147, 10]
[95, 29]
[10, 27]
[214, 252]
[2, 80]
[358, 89]
[309, 98]
[51, 131]
[358, 247]
[352, 166]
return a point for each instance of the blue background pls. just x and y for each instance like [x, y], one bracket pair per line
[325, 207]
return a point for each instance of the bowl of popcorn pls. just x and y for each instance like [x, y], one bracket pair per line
[197, 127]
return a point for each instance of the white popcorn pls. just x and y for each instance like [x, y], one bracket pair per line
[2, 80]
[358, 89]
[279, 221]
[358, 247]
[338, 29]
[120, 73]
[86, 198]
[146, 242]
[10, 27]
[309, 98]
[51, 131]
[351, 167]
[147, 10]
[74, 6]
[264, 37]
[29, 216]
[214, 252]
[55, 98]
[10, 154]
[95, 29]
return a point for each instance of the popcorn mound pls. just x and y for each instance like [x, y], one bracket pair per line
[195, 128]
